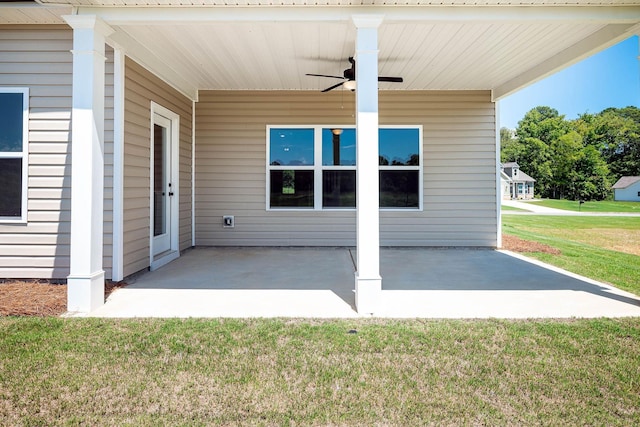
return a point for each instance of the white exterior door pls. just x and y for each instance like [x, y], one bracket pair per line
[164, 186]
[162, 193]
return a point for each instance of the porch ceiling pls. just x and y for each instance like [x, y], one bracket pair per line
[249, 47]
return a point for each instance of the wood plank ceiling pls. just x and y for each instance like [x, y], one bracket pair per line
[275, 53]
[277, 56]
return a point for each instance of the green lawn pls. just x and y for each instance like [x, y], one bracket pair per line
[604, 206]
[296, 372]
[511, 208]
[602, 248]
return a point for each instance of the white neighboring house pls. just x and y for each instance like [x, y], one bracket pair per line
[505, 185]
[627, 189]
[521, 185]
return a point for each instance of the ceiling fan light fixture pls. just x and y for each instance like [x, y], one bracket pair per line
[350, 85]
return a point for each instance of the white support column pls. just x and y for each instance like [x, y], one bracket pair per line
[368, 281]
[85, 283]
[496, 122]
[117, 268]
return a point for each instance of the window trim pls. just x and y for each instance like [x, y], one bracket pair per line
[24, 155]
[318, 169]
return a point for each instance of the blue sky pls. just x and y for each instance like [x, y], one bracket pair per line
[610, 78]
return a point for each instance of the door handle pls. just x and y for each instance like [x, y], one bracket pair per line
[171, 193]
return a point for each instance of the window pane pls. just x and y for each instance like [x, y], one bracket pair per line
[339, 189]
[291, 147]
[291, 189]
[399, 189]
[11, 122]
[338, 147]
[11, 185]
[399, 147]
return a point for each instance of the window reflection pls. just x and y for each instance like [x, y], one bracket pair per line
[11, 110]
[291, 189]
[399, 188]
[291, 147]
[11, 194]
[338, 147]
[339, 189]
[399, 147]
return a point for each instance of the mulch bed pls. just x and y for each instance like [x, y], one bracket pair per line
[42, 298]
[38, 297]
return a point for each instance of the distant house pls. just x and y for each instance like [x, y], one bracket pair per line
[627, 189]
[505, 185]
[520, 184]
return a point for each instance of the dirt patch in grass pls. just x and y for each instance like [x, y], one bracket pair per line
[516, 244]
[38, 297]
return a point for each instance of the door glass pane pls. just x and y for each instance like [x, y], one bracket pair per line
[291, 188]
[399, 147]
[11, 185]
[399, 188]
[11, 122]
[339, 189]
[338, 147]
[159, 195]
[291, 147]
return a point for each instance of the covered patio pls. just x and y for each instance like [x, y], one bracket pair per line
[318, 283]
[160, 134]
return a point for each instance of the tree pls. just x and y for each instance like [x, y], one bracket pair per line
[536, 162]
[566, 150]
[592, 176]
[510, 147]
[615, 133]
[543, 123]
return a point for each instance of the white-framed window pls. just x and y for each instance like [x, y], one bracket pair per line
[314, 167]
[14, 120]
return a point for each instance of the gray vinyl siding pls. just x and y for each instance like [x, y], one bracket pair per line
[39, 58]
[459, 181]
[142, 87]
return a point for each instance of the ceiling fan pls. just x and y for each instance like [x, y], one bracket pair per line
[349, 75]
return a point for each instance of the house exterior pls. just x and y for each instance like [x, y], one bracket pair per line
[520, 184]
[627, 189]
[134, 132]
[505, 186]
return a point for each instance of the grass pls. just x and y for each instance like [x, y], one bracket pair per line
[511, 208]
[603, 206]
[276, 372]
[602, 248]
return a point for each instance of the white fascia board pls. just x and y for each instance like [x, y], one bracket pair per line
[177, 15]
[598, 41]
[157, 66]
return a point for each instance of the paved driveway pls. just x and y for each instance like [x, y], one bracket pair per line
[318, 282]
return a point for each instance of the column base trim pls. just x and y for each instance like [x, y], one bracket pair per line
[85, 293]
[368, 294]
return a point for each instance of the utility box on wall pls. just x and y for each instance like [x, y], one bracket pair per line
[228, 221]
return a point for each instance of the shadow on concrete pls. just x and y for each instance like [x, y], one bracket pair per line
[477, 269]
[250, 268]
[484, 283]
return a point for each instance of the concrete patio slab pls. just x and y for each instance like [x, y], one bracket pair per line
[319, 282]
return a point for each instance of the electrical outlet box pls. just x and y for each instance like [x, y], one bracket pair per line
[228, 221]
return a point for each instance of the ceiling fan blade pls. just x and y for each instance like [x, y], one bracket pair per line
[390, 79]
[332, 87]
[324, 75]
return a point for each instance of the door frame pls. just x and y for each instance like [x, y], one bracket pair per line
[173, 141]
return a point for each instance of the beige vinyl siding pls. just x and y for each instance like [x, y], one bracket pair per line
[142, 87]
[39, 58]
[458, 157]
